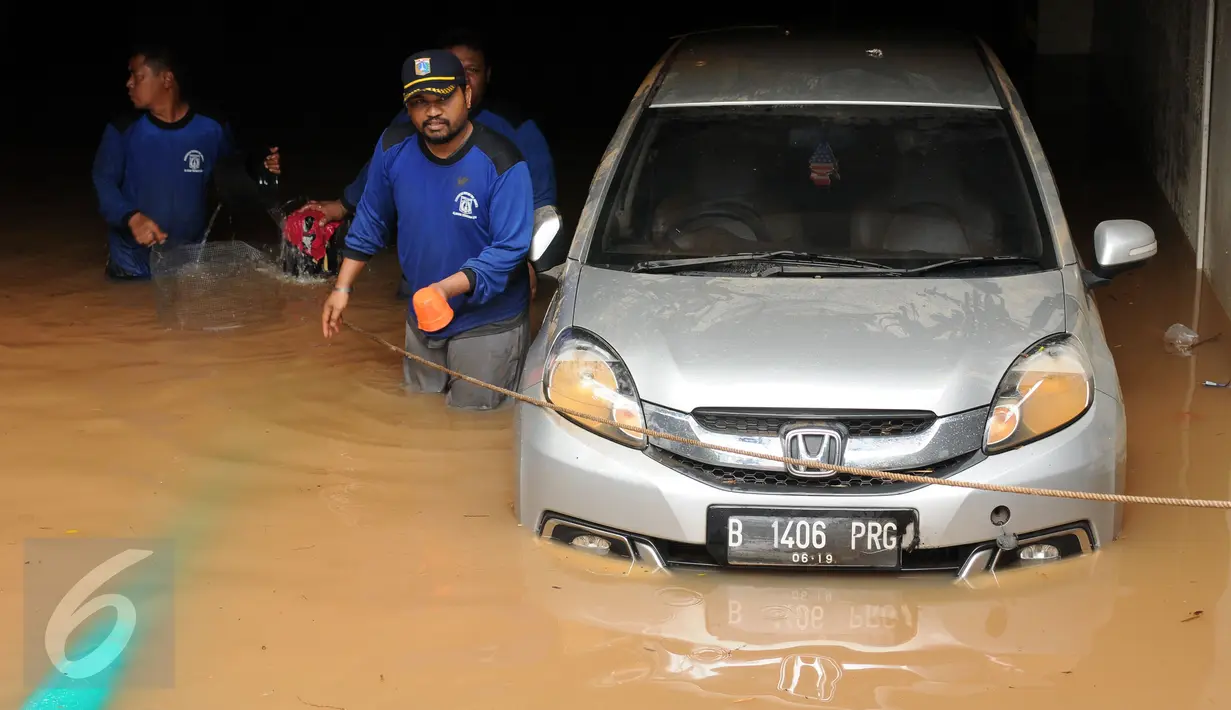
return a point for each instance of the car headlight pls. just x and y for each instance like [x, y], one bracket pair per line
[585, 375]
[1048, 387]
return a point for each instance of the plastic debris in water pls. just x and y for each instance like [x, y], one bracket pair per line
[1180, 339]
[875, 53]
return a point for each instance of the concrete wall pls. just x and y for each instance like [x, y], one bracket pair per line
[1065, 27]
[1218, 227]
[1150, 56]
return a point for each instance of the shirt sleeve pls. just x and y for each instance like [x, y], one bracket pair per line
[108, 174]
[533, 145]
[510, 217]
[354, 191]
[369, 231]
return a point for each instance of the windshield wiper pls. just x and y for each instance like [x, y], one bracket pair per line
[971, 261]
[778, 257]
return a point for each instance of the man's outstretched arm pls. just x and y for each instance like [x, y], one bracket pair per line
[368, 234]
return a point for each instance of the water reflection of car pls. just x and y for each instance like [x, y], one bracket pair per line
[800, 247]
[849, 642]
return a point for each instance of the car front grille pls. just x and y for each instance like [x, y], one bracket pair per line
[750, 423]
[781, 482]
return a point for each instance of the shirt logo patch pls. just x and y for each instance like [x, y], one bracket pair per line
[466, 205]
[193, 160]
[462, 180]
[423, 66]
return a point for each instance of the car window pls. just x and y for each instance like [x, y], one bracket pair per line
[901, 185]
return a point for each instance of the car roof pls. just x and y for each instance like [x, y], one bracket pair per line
[767, 65]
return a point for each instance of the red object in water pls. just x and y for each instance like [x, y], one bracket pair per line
[309, 231]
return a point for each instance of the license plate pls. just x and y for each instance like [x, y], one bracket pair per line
[873, 616]
[852, 539]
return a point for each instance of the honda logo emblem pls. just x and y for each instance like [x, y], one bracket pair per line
[825, 673]
[816, 445]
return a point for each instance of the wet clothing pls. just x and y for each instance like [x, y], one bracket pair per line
[162, 170]
[503, 119]
[311, 245]
[471, 212]
[492, 353]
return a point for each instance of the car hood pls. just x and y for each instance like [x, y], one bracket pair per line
[861, 343]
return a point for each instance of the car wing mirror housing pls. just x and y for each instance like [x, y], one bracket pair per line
[547, 227]
[1121, 245]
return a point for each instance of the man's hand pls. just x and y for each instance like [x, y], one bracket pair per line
[334, 209]
[331, 315]
[145, 230]
[273, 161]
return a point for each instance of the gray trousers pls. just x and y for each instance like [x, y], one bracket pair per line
[491, 353]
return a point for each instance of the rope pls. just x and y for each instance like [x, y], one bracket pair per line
[851, 470]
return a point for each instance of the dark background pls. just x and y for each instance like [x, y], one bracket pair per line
[321, 80]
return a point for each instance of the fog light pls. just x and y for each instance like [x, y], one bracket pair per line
[593, 543]
[1038, 552]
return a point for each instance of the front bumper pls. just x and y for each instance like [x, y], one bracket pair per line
[567, 473]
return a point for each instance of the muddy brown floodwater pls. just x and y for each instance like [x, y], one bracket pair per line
[341, 544]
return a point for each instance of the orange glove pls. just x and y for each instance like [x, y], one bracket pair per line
[432, 309]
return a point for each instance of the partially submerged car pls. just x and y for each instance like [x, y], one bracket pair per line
[847, 252]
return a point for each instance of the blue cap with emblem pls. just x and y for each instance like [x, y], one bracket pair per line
[435, 71]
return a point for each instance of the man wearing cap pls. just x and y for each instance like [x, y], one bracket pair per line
[471, 49]
[462, 200]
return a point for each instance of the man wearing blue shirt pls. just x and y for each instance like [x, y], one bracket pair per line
[471, 50]
[461, 199]
[153, 167]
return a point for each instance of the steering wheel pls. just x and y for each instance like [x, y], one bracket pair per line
[733, 211]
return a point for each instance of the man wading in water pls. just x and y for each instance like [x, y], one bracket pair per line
[463, 202]
[471, 49]
[153, 167]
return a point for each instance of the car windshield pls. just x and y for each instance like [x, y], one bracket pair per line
[901, 186]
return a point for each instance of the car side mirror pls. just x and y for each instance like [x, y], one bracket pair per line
[1121, 245]
[546, 228]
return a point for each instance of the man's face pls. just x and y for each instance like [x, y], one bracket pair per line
[477, 71]
[439, 119]
[145, 84]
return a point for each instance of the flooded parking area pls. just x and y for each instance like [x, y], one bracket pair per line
[341, 544]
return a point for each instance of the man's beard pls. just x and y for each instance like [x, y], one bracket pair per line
[453, 132]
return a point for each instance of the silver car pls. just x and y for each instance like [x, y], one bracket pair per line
[836, 250]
